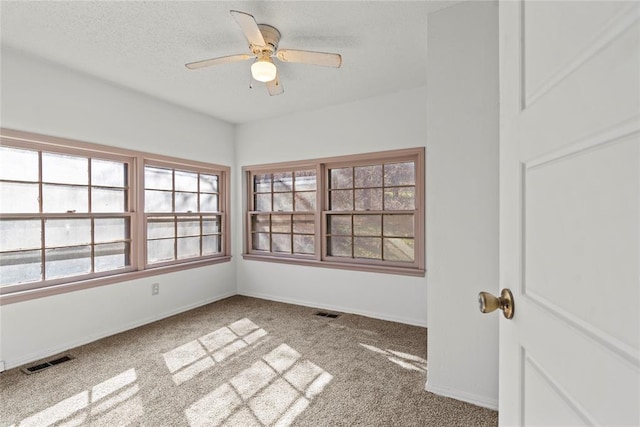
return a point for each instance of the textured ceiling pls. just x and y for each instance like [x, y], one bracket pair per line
[144, 45]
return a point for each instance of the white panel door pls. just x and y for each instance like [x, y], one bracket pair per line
[570, 212]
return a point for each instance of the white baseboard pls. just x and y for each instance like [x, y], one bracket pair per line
[47, 352]
[483, 401]
[63, 347]
[305, 303]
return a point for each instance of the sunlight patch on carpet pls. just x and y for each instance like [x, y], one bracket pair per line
[190, 359]
[404, 360]
[272, 391]
[113, 399]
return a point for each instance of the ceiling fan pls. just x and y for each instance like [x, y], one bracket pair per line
[263, 43]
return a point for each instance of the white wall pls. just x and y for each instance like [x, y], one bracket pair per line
[376, 124]
[455, 117]
[41, 97]
[462, 200]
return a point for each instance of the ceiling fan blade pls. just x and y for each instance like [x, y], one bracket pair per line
[308, 57]
[275, 87]
[249, 27]
[216, 61]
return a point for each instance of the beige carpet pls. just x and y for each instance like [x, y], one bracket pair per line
[241, 362]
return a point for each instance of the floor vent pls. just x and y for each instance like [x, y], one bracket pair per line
[329, 315]
[41, 366]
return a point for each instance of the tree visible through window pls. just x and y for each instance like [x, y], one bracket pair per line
[371, 212]
[363, 211]
[283, 214]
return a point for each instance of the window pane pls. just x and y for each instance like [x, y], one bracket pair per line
[403, 198]
[67, 232]
[283, 181]
[306, 201]
[263, 202]
[209, 203]
[108, 174]
[211, 245]
[283, 202]
[20, 234]
[262, 183]
[339, 224]
[303, 244]
[399, 250]
[157, 201]
[341, 200]
[399, 174]
[18, 165]
[65, 262]
[260, 223]
[18, 198]
[158, 228]
[158, 178]
[281, 223]
[367, 225]
[211, 225]
[110, 229]
[260, 241]
[64, 169]
[160, 250]
[367, 247]
[186, 181]
[188, 247]
[107, 200]
[20, 267]
[339, 246]
[305, 180]
[341, 178]
[63, 198]
[188, 227]
[368, 176]
[304, 224]
[208, 183]
[369, 199]
[281, 243]
[111, 256]
[398, 225]
[186, 202]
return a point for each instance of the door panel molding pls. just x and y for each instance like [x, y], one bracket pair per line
[606, 340]
[606, 96]
[575, 252]
[573, 405]
[609, 33]
[613, 134]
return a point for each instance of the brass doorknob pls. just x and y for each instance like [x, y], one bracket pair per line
[504, 302]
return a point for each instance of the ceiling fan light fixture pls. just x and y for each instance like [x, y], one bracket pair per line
[263, 70]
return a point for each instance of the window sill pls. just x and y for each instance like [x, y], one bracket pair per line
[27, 295]
[403, 271]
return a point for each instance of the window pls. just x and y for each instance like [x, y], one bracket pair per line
[371, 212]
[69, 216]
[283, 212]
[362, 212]
[183, 216]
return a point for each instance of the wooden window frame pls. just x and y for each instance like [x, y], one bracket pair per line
[201, 215]
[251, 210]
[321, 258]
[136, 161]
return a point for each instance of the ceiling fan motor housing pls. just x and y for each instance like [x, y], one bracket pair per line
[271, 36]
